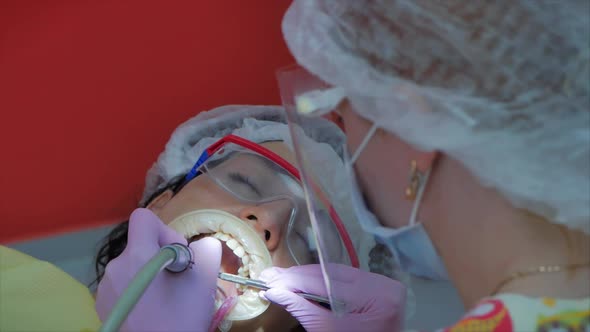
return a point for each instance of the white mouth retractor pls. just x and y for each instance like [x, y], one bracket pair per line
[245, 243]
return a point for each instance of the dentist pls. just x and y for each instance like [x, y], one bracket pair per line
[469, 128]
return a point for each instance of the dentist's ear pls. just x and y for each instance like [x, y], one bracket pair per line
[159, 202]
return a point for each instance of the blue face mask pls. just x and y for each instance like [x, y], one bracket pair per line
[414, 252]
[410, 245]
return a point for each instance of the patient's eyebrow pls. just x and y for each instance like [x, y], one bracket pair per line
[293, 184]
[267, 168]
[272, 165]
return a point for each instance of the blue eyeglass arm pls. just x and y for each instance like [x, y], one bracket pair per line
[193, 172]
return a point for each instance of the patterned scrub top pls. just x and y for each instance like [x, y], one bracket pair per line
[517, 313]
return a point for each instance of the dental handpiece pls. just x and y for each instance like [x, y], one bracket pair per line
[175, 258]
[183, 258]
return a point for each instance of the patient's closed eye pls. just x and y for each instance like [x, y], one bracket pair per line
[246, 181]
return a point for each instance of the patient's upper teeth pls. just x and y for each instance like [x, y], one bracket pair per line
[239, 251]
[232, 244]
[241, 271]
[245, 259]
[222, 236]
[256, 259]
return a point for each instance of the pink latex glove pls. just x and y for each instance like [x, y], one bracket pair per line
[172, 302]
[373, 302]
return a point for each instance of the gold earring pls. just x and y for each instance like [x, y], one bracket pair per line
[412, 188]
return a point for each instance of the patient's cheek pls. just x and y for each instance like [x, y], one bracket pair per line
[282, 257]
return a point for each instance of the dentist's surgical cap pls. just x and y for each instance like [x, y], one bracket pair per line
[323, 141]
[502, 86]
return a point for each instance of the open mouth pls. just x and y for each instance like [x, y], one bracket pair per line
[243, 253]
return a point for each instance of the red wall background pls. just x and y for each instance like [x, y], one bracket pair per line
[91, 90]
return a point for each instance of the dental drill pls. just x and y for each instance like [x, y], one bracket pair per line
[175, 258]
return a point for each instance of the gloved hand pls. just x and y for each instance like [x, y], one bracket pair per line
[172, 302]
[373, 302]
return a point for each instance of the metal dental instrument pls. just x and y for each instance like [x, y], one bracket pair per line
[259, 284]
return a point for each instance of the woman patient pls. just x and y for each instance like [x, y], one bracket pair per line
[230, 174]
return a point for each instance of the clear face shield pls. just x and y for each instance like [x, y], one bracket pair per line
[305, 96]
[328, 193]
[257, 176]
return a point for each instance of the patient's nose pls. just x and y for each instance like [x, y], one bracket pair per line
[269, 221]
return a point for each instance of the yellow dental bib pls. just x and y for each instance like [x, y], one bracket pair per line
[37, 296]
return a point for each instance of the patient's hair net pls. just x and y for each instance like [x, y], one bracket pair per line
[324, 141]
[502, 86]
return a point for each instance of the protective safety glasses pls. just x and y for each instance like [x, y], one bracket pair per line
[256, 175]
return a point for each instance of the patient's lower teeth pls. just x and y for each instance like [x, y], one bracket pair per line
[239, 251]
[232, 244]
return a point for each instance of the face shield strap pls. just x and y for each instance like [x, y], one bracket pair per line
[364, 143]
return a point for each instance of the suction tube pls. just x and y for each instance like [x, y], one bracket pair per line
[175, 258]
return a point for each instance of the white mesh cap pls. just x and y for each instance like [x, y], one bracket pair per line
[502, 86]
[259, 124]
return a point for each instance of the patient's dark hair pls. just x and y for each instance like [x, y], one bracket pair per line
[113, 244]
